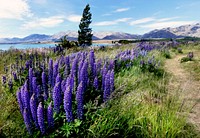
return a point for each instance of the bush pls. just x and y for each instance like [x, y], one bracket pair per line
[185, 59]
[188, 58]
[179, 50]
[64, 43]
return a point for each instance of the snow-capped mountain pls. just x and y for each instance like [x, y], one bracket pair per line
[186, 30]
[192, 30]
[178, 32]
[71, 35]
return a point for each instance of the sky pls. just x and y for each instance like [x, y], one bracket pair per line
[19, 18]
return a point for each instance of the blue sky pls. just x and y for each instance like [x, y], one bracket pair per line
[19, 18]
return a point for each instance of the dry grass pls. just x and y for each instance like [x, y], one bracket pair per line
[189, 86]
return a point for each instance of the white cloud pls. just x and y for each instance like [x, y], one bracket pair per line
[114, 22]
[44, 22]
[123, 20]
[160, 25]
[74, 18]
[107, 14]
[142, 21]
[50, 21]
[105, 23]
[166, 19]
[14, 9]
[121, 9]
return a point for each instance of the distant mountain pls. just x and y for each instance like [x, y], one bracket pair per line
[186, 30]
[159, 34]
[34, 38]
[37, 38]
[120, 35]
[71, 35]
[178, 32]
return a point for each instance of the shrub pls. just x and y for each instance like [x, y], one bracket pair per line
[188, 58]
[179, 50]
[64, 43]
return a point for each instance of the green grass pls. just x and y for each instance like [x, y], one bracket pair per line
[141, 105]
[142, 108]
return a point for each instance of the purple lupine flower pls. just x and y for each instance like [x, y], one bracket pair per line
[27, 120]
[4, 80]
[55, 71]
[68, 82]
[34, 85]
[10, 84]
[15, 76]
[40, 117]
[103, 72]
[63, 84]
[38, 90]
[72, 82]
[92, 62]
[112, 81]
[96, 83]
[44, 85]
[111, 65]
[68, 104]
[79, 99]
[30, 77]
[98, 66]
[79, 70]
[58, 81]
[43, 66]
[84, 75]
[67, 66]
[33, 107]
[94, 70]
[50, 119]
[74, 67]
[62, 61]
[25, 96]
[106, 92]
[57, 97]
[50, 73]
[19, 100]
[27, 64]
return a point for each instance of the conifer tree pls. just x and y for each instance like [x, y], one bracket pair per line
[85, 32]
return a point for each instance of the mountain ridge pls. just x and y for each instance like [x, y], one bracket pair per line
[177, 32]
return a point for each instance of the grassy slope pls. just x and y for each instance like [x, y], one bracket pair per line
[141, 107]
[145, 110]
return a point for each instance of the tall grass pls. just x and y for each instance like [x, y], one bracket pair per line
[146, 109]
[141, 107]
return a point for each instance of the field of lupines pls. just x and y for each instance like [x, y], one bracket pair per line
[64, 92]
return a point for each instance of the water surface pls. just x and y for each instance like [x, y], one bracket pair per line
[26, 46]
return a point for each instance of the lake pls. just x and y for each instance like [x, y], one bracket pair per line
[26, 46]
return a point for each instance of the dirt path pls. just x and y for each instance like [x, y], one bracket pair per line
[183, 82]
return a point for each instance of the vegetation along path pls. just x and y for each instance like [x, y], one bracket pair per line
[188, 87]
